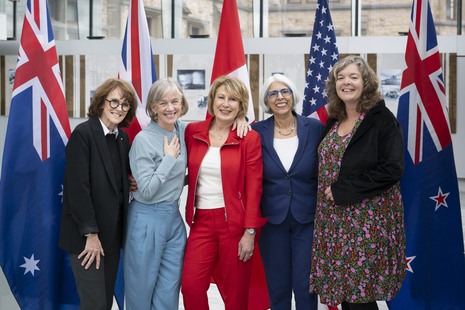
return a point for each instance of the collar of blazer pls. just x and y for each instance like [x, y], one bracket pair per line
[201, 132]
[103, 149]
[364, 126]
[302, 134]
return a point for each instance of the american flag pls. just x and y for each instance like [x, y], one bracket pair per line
[324, 54]
[37, 270]
[435, 250]
[137, 66]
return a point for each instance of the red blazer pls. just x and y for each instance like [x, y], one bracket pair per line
[241, 175]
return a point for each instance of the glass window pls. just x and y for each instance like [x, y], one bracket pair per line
[294, 18]
[391, 18]
[201, 18]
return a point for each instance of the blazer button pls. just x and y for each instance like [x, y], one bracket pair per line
[287, 177]
[289, 192]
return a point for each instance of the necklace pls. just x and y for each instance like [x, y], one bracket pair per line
[221, 136]
[285, 134]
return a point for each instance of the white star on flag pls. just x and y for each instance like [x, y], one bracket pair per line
[409, 261]
[30, 265]
[61, 193]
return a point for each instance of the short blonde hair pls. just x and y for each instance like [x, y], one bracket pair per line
[158, 90]
[235, 88]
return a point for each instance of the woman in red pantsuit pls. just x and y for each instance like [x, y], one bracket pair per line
[223, 203]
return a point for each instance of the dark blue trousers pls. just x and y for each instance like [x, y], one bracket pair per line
[286, 251]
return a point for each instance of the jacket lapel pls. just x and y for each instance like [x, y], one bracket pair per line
[268, 137]
[103, 149]
[302, 134]
[367, 121]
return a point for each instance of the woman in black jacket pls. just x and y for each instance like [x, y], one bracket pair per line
[96, 193]
[359, 240]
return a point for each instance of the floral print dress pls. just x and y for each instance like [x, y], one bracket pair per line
[358, 251]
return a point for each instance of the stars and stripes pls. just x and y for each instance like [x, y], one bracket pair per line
[434, 237]
[37, 270]
[323, 55]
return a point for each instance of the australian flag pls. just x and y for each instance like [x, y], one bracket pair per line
[323, 55]
[37, 270]
[435, 250]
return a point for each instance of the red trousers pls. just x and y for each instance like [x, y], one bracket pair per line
[210, 243]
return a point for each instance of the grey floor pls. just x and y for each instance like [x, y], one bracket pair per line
[7, 301]
[216, 302]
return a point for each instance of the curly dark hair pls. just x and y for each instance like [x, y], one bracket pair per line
[370, 94]
[96, 106]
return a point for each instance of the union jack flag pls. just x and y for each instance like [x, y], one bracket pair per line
[323, 55]
[435, 260]
[423, 82]
[137, 66]
[37, 270]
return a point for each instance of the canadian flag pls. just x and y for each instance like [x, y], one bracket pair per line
[229, 55]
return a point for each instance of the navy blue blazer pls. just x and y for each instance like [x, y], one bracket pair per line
[294, 189]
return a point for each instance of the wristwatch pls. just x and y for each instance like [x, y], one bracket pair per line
[250, 231]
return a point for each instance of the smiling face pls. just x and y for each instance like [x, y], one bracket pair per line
[113, 116]
[168, 110]
[349, 85]
[225, 107]
[280, 105]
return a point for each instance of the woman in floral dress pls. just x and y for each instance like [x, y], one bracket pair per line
[358, 253]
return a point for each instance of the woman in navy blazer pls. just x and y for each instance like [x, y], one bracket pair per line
[289, 143]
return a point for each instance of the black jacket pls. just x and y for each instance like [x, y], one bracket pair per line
[90, 197]
[374, 159]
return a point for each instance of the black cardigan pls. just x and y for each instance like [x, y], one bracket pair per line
[374, 159]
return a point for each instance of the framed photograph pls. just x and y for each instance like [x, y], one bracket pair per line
[11, 76]
[202, 102]
[191, 79]
[390, 87]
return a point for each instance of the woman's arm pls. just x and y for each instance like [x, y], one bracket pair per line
[253, 181]
[77, 174]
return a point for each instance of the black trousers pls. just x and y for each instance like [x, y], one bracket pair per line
[367, 306]
[96, 286]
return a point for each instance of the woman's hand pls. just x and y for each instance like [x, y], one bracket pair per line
[329, 194]
[242, 127]
[172, 148]
[132, 184]
[246, 246]
[92, 252]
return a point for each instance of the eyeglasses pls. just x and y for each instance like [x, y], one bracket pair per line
[114, 104]
[274, 94]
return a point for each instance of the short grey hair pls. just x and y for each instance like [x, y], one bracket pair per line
[158, 90]
[265, 88]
